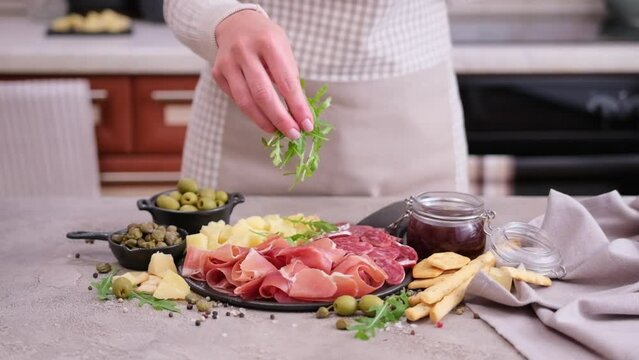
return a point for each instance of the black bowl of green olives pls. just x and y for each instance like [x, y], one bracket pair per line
[134, 246]
[190, 207]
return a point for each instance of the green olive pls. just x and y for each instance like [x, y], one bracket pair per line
[206, 204]
[188, 208]
[167, 202]
[176, 195]
[187, 185]
[221, 196]
[122, 288]
[207, 193]
[345, 305]
[368, 302]
[188, 198]
[322, 313]
[203, 305]
[342, 324]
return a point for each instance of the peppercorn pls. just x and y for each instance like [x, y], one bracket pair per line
[272, 317]
[241, 315]
[90, 288]
[95, 275]
[214, 313]
[77, 255]
[228, 313]
[476, 316]
[226, 305]
[439, 324]
[170, 314]
[197, 322]
[214, 316]
[189, 306]
[412, 332]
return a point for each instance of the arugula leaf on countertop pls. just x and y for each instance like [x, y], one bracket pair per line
[103, 287]
[390, 311]
[307, 162]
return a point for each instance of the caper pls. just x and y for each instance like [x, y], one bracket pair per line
[167, 202]
[178, 241]
[192, 298]
[188, 208]
[170, 237]
[131, 243]
[345, 305]
[122, 288]
[188, 198]
[176, 195]
[117, 238]
[158, 234]
[207, 193]
[206, 204]
[135, 233]
[147, 228]
[103, 268]
[131, 226]
[187, 185]
[161, 244]
[221, 196]
[342, 324]
[203, 305]
[322, 313]
[171, 228]
[140, 242]
[368, 302]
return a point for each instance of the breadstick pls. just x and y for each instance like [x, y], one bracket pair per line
[527, 276]
[448, 302]
[417, 312]
[426, 283]
[436, 292]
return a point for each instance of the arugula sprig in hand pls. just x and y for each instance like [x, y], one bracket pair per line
[307, 147]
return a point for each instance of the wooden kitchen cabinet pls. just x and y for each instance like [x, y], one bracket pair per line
[140, 123]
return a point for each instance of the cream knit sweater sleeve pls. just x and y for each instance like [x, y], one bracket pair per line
[194, 21]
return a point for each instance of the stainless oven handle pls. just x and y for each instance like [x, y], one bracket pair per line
[173, 95]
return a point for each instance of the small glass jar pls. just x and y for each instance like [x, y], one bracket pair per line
[446, 221]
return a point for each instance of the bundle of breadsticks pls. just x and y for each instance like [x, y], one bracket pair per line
[445, 277]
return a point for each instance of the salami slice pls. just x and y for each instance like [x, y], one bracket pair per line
[356, 247]
[389, 252]
[392, 268]
[407, 255]
[358, 230]
[377, 238]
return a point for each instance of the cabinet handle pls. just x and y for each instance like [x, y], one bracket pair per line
[99, 94]
[172, 95]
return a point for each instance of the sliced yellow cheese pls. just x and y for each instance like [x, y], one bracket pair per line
[199, 241]
[172, 286]
[502, 277]
[147, 287]
[160, 263]
[153, 280]
[257, 223]
[135, 277]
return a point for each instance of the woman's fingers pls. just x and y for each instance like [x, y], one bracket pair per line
[283, 71]
[233, 80]
[266, 98]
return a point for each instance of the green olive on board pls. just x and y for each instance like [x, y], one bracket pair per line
[345, 305]
[122, 288]
[368, 302]
[188, 198]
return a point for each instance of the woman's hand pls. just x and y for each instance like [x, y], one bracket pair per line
[254, 54]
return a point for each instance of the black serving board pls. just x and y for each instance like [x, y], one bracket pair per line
[202, 288]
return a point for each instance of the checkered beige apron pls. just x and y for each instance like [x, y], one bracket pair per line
[399, 126]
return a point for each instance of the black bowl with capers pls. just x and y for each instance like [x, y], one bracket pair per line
[134, 246]
[191, 221]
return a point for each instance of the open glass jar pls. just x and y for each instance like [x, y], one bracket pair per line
[446, 221]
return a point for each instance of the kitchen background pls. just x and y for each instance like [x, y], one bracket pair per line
[550, 90]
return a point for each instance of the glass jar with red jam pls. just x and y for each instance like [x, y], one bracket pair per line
[446, 221]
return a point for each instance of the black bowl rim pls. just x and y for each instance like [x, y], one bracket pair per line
[181, 231]
[151, 204]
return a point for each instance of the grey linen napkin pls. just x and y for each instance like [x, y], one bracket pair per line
[593, 311]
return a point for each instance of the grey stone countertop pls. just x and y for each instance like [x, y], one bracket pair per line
[47, 312]
[485, 47]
